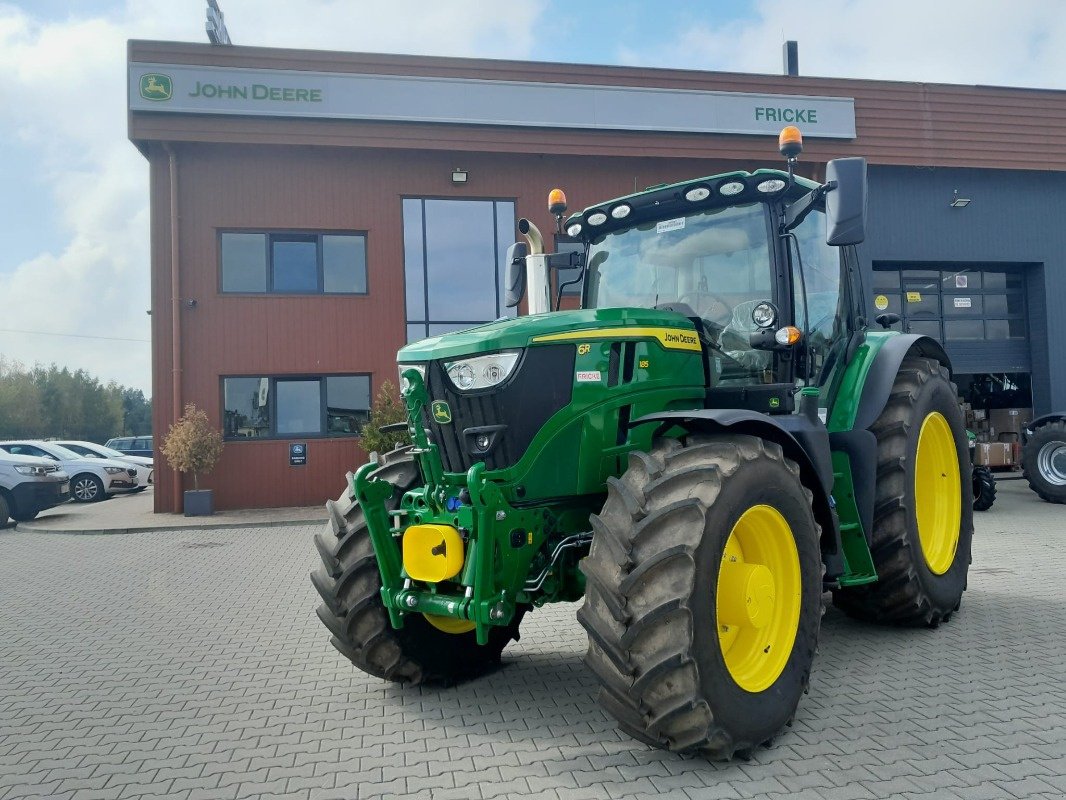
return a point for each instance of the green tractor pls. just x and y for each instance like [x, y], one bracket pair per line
[711, 442]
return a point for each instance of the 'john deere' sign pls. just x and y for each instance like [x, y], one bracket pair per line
[465, 101]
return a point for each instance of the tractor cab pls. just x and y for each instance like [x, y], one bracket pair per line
[766, 274]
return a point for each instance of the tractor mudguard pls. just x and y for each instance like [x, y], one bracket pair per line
[882, 374]
[804, 441]
[1055, 416]
[858, 442]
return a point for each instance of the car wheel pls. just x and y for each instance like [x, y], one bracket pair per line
[86, 488]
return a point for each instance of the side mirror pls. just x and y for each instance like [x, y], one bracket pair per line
[845, 205]
[515, 279]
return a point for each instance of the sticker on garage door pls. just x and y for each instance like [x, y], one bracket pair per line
[963, 302]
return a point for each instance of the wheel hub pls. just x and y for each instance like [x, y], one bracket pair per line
[748, 594]
[1051, 461]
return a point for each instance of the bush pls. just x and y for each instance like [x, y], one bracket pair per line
[192, 445]
[388, 410]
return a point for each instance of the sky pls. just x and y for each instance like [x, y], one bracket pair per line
[74, 258]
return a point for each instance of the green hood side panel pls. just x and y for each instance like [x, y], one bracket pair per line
[519, 332]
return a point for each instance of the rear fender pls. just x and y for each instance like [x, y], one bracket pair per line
[815, 461]
[1057, 416]
[853, 436]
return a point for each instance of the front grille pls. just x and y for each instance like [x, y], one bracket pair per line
[541, 385]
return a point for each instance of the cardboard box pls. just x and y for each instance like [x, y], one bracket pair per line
[994, 454]
[1010, 420]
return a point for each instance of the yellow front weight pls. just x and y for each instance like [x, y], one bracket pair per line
[432, 553]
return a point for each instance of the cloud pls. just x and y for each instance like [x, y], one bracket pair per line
[976, 42]
[64, 96]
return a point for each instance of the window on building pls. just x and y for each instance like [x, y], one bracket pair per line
[958, 304]
[454, 254]
[293, 263]
[299, 405]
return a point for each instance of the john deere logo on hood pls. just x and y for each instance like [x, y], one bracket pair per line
[155, 86]
[442, 413]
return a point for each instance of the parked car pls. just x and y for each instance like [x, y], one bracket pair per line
[30, 485]
[132, 445]
[145, 466]
[91, 479]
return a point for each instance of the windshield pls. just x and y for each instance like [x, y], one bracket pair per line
[714, 264]
[62, 452]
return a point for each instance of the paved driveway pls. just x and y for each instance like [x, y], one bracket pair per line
[190, 664]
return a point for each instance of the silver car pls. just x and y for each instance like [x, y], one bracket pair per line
[91, 479]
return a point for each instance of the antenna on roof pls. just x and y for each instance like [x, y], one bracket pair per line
[216, 24]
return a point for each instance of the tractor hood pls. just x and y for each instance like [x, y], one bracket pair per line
[521, 332]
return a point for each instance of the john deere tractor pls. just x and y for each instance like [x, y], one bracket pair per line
[711, 442]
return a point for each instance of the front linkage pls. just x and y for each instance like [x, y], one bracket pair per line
[455, 549]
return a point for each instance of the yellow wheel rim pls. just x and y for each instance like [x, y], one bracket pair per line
[937, 493]
[758, 598]
[449, 624]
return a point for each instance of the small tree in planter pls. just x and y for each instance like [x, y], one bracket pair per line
[192, 445]
[388, 410]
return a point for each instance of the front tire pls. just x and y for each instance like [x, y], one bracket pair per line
[984, 488]
[923, 511]
[86, 488]
[703, 594]
[350, 585]
[1044, 462]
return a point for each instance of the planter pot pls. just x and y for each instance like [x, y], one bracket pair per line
[199, 503]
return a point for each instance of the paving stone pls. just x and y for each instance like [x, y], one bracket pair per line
[202, 672]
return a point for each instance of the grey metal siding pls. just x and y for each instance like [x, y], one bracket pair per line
[1014, 217]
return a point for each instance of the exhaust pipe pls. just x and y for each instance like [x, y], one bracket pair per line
[533, 236]
[537, 283]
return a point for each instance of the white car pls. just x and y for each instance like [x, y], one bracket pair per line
[91, 479]
[145, 466]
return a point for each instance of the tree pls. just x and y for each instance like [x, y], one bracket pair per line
[51, 401]
[136, 413]
[388, 410]
[192, 445]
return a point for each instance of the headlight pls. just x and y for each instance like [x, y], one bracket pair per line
[30, 470]
[421, 368]
[771, 185]
[482, 372]
[114, 470]
[764, 315]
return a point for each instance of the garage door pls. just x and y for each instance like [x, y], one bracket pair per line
[978, 313]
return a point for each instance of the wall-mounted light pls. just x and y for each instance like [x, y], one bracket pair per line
[459, 175]
[959, 202]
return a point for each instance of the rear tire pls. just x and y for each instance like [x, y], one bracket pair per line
[984, 488]
[350, 585]
[659, 642]
[1044, 461]
[917, 584]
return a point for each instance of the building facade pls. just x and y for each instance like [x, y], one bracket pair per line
[313, 211]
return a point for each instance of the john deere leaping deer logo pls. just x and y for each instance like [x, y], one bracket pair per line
[156, 87]
[442, 413]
